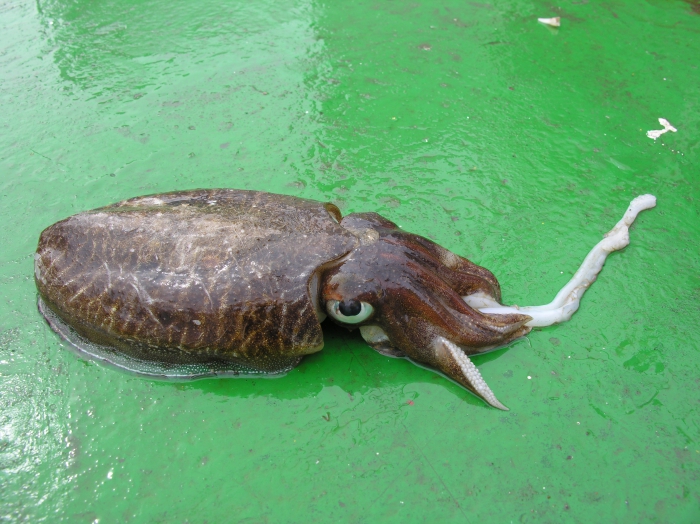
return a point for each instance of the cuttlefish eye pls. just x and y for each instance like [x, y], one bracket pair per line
[349, 311]
[350, 308]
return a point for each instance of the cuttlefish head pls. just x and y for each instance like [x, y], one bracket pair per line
[405, 293]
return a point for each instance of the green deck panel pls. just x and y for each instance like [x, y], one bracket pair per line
[504, 140]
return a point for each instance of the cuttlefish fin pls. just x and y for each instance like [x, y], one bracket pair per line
[456, 365]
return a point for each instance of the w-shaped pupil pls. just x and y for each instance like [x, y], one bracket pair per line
[350, 308]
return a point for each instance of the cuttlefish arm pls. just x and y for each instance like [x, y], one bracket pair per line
[455, 363]
[449, 358]
[437, 310]
[568, 299]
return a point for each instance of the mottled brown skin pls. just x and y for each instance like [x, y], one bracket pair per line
[194, 276]
[227, 276]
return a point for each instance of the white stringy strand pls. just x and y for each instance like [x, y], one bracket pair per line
[567, 300]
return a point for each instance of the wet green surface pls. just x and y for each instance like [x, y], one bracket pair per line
[506, 141]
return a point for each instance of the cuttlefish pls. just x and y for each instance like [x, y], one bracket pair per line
[204, 283]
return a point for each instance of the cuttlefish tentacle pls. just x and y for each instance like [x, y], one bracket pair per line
[568, 299]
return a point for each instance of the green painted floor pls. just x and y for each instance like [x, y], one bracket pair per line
[504, 140]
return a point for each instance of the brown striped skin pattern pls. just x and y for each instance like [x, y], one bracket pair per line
[197, 275]
[226, 275]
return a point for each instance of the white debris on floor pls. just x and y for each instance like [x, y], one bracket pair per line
[554, 22]
[657, 133]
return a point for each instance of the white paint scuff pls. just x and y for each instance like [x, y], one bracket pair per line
[656, 133]
[554, 22]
